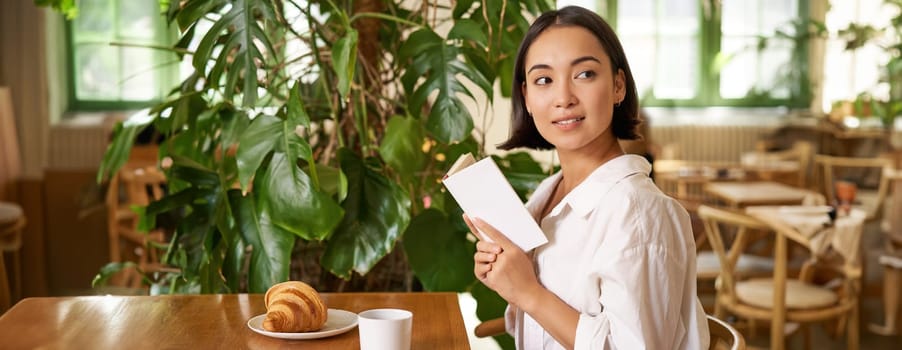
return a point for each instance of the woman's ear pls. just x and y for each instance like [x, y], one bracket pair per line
[620, 85]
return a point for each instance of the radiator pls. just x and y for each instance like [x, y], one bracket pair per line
[77, 145]
[715, 143]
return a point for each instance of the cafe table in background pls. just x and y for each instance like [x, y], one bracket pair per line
[811, 226]
[213, 321]
[743, 194]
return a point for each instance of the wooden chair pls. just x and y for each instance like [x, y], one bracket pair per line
[801, 152]
[12, 221]
[892, 263]
[744, 265]
[130, 187]
[490, 328]
[5, 298]
[868, 171]
[777, 299]
[724, 336]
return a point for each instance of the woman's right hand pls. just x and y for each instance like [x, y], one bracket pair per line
[501, 265]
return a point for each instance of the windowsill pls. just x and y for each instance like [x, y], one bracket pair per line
[94, 119]
[764, 116]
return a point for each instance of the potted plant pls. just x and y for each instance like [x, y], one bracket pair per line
[339, 146]
[888, 38]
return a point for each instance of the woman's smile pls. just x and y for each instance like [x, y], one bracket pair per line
[568, 123]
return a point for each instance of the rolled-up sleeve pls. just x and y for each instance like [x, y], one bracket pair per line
[641, 300]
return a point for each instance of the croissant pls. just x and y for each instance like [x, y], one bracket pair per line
[293, 307]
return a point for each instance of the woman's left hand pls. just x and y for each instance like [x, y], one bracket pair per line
[510, 272]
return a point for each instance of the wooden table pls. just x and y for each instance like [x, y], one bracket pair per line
[844, 234]
[208, 322]
[742, 194]
[685, 180]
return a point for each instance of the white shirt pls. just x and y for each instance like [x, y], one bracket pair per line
[622, 254]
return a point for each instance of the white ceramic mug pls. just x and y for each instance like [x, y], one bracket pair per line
[385, 329]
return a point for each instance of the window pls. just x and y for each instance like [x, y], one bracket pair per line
[112, 60]
[715, 52]
[848, 73]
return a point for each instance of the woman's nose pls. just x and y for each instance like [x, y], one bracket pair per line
[564, 97]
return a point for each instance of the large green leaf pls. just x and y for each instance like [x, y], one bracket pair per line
[449, 119]
[377, 211]
[123, 137]
[266, 134]
[297, 113]
[286, 196]
[256, 142]
[402, 145]
[344, 55]
[236, 34]
[331, 181]
[441, 257]
[469, 30]
[234, 259]
[522, 171]
[271, 246]
[189, 13]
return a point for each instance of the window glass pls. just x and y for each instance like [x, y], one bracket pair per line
[661, 43]
[637, 28]
[756, 60]
[686, 52]
[113, 61]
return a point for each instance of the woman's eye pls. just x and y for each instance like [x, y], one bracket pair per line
[542, 81]
[585, 75]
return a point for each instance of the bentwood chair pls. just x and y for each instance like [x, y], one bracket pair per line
[800, 152]
[778, 299]
[891, 259]
[873, 186]
[133, 187]
[723, 335]
[12, 221]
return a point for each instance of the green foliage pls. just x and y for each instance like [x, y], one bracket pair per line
[342, 145]
[66, 7]
[888, 38]
[432, 232]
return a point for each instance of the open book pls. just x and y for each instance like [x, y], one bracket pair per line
[483, 192]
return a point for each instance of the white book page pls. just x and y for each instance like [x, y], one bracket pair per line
[483, 192]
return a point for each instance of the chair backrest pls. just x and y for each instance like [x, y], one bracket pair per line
[866, 172]
[720, 222]
[10, 161]
[801, 152]
[143, 185]
[724, 336]
[893, 223]
[133, 185]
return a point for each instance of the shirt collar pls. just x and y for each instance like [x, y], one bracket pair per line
[584, 198]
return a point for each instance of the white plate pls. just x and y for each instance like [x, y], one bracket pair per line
[338, 322]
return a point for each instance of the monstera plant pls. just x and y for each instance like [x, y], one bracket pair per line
[324, 123]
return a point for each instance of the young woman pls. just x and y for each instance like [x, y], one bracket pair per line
[618, 271]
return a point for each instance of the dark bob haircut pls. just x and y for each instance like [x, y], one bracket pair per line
[626, 115]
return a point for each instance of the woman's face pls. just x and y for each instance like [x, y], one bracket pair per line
[570, 88]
